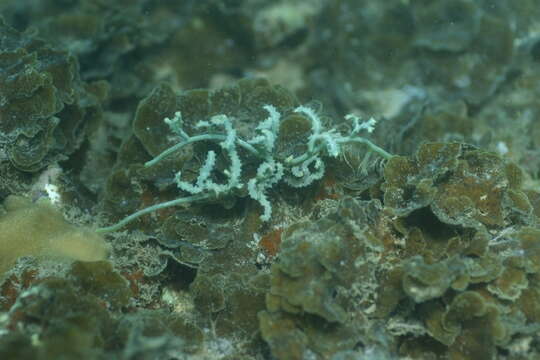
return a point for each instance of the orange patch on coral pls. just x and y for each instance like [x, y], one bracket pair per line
[270, 242]
[148, 199]
[327, 188]
[12, 287]
[134, 278]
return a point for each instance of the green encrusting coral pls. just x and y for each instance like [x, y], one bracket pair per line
[86, 315]
[439, 255]
[45, 106]
[431, 253]
[451, 255]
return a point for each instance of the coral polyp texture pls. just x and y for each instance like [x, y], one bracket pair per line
[270, 180]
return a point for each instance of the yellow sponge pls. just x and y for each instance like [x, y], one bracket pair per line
[39, 229]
